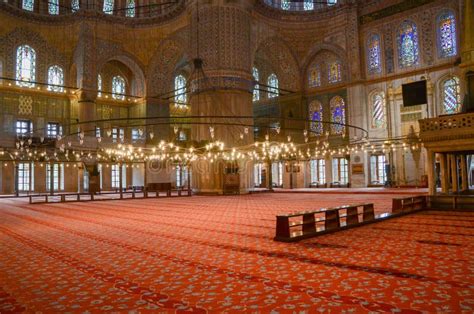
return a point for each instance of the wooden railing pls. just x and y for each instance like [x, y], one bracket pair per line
[450, 202]
[408, 204]
[297, 226]
[454, 126]
[88, 197]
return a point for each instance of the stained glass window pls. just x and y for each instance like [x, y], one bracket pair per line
[55, 79]
[118, 88]
[338, 115]
[25, 66]
[334, 72]
[75, 5]
[99, 85]
[407, 44]
[28, 5]
[108, 6]
[314, 78]
[373, 54]
[378, 110]
[447, 35]
[451, 95]
[256, 87]
[308, 5]
[285, 4]
[272, 83]
[130, 8]
[180, 90]
[53, 7]
[316, 117]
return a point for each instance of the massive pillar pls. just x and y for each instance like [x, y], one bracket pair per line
[85, 59]
[221, 85]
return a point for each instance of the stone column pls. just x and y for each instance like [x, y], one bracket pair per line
[220, 37]
[454, 173]
[444, 173]
[431, 173]
[464, 177]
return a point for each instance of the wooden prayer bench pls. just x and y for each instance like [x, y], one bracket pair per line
[309, 225]
[317, 185]
[451, 202]
[409, 204]
[339, 185]
[159, 187]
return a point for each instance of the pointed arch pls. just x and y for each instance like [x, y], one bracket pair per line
[274, 55]
[374, 54]
[338, 115]
[25, 66]
[377, 109]
[451, 95]
[408, 44]
[446, 34]
[56, 79]
[315, 111]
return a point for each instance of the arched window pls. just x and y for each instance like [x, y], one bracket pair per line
[75, 5]
[308, 5]
[378, 110]
[338, 115]
[316, 117]
[256, 86]
[99, 85]
[446, 25]
[53, 7]
[108, 7]
[334, 72]
[180, 91]
[451, 95]
[130, 8]
[28, 5]
[373, 54]
[118, 87]
[55, 79]
[272, 83]
[314, 77]
[332, 2]
[407, 44]
[285, 4]
[25, 66]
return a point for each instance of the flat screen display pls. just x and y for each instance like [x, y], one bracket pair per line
[414, 93]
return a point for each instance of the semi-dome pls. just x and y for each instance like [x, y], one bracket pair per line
[131, 10]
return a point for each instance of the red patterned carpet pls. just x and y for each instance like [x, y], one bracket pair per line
[216, 254]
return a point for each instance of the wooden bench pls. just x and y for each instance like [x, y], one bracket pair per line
[450, 202]
[408, 204]
[317, 185]
[160, 187]
[312, 223]
[339, 185]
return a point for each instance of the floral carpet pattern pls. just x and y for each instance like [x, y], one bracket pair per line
[217, 254]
